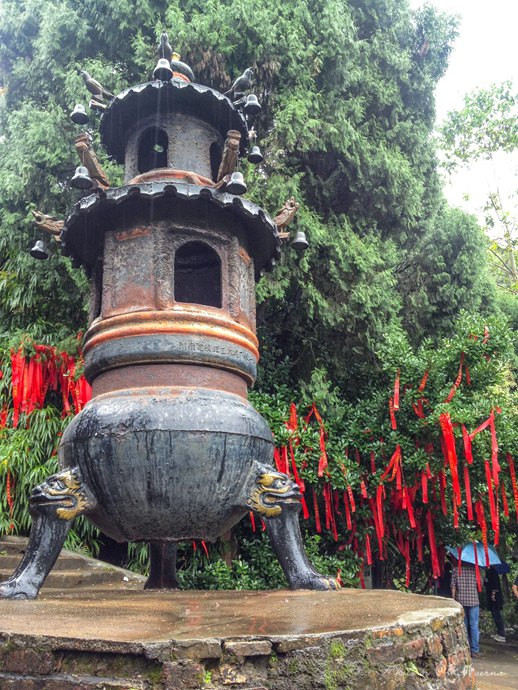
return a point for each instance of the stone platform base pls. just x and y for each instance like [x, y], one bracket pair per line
[136, 640]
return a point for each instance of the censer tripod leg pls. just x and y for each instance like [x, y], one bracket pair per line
[276, 499]
[162, 571]
[53, 505]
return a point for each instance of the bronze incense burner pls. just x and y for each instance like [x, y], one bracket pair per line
[169, 448]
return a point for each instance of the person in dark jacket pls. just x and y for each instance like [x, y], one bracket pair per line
[495, 602]
[444, 582]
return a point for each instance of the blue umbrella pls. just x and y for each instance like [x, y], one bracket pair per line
[468, 554]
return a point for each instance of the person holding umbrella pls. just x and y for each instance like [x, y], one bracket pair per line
[464, 587]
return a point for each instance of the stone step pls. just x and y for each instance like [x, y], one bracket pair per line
[65, 579]
[10, 561]
[10, 544]
[71, 570]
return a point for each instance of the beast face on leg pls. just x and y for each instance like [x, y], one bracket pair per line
[276, 499]
[53, 505]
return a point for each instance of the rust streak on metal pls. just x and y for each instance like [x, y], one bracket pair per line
[244, 255]
[172, 174]
[130, 234]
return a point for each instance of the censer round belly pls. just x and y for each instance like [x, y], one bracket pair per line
[167, 464]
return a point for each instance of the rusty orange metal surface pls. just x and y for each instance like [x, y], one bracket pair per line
[185, 320]
[131, 234]
[165, 376]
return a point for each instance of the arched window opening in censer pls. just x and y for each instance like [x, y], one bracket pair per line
[152, 150]
[215, 160]
[197, 275]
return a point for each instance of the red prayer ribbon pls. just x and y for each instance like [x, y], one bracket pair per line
[424, 486]
[467, 487]
[351, 498]
[368, 549]
[396, 391]
[422, 385]
[480, 428]
[410, 508]
[347, 512]
[457, 381]
[492, 506]
[393, 422]
[512, 472]
[468, 454]
[436, 570]
[318, 526]
[504, 499]
[479, 510]
[451, 453]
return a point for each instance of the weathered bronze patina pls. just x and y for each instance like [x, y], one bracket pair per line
[169, 448]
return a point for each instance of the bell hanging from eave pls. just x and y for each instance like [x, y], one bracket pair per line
[300, 242]
[163, 71]
[81, 178]
[236, 184]
[252, 105]
[255, 156]
[39, 251]
[79, 115]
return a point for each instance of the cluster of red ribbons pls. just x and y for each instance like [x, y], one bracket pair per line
[47, 370]
[32, 378]
[391, 496]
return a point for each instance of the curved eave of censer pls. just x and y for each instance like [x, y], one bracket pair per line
[83, 233]
[162, 97]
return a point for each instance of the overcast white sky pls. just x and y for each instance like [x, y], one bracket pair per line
[486, 51]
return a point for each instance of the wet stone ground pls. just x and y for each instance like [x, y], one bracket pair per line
[279, 640]
[106, 633]
[497, 666]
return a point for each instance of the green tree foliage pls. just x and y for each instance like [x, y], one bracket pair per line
[446, 272]
[466, 376]
[487, 125]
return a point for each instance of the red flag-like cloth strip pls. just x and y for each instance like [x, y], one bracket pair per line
[451, 453]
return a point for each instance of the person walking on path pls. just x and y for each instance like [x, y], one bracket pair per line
[515, 587]
[464, 590]
[495, 602]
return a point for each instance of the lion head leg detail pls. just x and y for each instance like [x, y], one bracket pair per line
[64, 494]
[271, 492]
[276, 498]
[53, 506]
